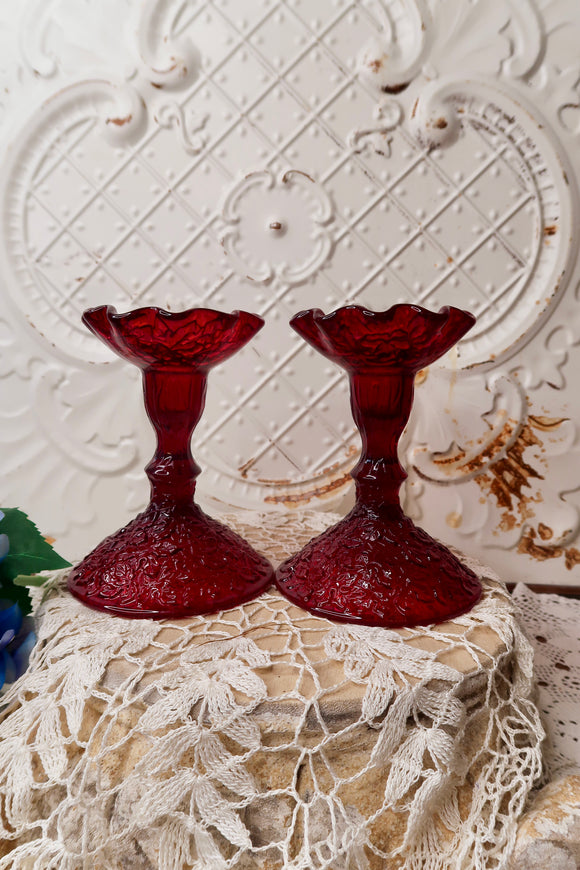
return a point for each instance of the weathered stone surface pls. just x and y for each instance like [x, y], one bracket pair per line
[549, 833]
[266, 738]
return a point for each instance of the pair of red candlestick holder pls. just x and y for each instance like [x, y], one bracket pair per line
[375, 567]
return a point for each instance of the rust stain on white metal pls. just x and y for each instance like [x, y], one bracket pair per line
[120, 122]
[546, 424]
[299, 499]
[506, 476]
[454, 519]
[243, 469]
[529, 546]
[286, 176]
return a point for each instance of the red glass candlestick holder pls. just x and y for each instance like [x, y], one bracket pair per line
[172, 560]
[375, 567]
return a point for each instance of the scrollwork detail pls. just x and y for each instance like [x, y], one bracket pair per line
[167, 61]
[388, 115]
[277, 226]
[529, 42]
[447, 456]
[189, 128]
[390, 62]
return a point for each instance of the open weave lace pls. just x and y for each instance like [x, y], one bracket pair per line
[266, 738]
[552, 622]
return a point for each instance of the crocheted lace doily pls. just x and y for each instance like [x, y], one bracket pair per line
[264, 738]
[552, 623]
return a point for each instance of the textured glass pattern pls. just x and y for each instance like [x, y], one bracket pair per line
[172, 559]
[376, 567]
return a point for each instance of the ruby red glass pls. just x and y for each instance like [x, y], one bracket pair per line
[376, 567]
[172, 560]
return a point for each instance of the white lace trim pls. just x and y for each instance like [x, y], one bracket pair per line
[266, 738]
[552, 624]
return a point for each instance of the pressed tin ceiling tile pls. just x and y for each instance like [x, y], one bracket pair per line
[274, 156]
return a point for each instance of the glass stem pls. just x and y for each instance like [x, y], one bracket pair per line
[381, 403]
[174, 401]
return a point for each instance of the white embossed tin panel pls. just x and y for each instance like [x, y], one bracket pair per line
[274, 155]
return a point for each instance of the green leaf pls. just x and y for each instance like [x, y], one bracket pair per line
[26, 541]
[23, 563]
[16, 593]
[30, 580]
[29, 553]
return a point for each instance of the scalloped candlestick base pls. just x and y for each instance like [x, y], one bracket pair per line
[376, 567]
[172, 560]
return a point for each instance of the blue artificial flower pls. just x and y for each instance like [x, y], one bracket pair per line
[17, 638]
[10, 624]
[16, 632]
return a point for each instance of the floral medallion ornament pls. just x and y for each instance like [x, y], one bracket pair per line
[173, 559]
[376, 567]
[277, 226]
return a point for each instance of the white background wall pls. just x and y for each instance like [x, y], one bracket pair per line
[413, 151]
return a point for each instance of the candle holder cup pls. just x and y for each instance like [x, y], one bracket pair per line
[376, 567]
[172, 560]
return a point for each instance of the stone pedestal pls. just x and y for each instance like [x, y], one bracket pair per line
[264, 738]
[549, 832]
